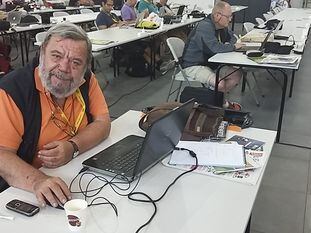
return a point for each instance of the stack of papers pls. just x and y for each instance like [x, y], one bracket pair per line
[209, 154]
[280, 59]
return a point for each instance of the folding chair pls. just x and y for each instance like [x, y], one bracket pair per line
[176, 46]
[248, 27]
[260, 21]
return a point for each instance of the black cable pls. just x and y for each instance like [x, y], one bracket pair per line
[150, 200]
[129, 93]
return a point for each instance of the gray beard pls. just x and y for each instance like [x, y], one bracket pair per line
[58, 91]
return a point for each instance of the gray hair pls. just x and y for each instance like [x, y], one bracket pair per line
[71, 31]
[219, 5]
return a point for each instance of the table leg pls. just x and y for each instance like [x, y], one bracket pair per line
[26, 47]
[232, 22]
[152, 59]
[248, 227]
[292, 84]
[243, 81]
[278, 135]
[22, 49]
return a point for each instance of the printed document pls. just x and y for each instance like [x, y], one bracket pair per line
[209, 154]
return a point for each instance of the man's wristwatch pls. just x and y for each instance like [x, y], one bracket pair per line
[75, 149]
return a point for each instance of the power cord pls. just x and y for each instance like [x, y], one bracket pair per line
[115, 186]
[129, 93]
[153, 202]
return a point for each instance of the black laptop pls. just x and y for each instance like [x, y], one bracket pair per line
[251, 46]
[134, 155]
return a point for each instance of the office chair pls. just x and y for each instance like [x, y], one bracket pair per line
[60, 14]
[176, 46]
[260, 21]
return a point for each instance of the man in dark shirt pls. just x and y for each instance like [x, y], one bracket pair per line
[106, 19]
[212, 36]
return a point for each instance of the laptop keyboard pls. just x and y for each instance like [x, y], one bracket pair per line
[126, 161]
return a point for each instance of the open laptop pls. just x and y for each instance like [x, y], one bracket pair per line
[260, 46]
[134, 155]
[254, 46]
[180, 10]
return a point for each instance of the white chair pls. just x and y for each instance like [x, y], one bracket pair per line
[176, 46]
[248, 26]
[60, 14]
[260, 21]
[40, 36]
[268, 15]
[86, 11]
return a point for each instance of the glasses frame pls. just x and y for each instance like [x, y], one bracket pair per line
[228, 17]
[70, 131]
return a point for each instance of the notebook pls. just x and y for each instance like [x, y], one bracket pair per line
[134, 155]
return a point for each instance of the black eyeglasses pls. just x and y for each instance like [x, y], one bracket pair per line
[229, 17]
[63, 125]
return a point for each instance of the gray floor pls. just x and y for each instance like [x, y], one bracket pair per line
[283, 203]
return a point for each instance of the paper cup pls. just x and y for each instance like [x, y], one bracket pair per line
[76, 214]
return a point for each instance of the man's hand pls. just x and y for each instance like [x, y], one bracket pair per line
[51, 189]
[56, 153]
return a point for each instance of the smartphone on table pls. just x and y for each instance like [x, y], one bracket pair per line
[22, 207]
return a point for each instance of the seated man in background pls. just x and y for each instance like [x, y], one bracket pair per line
[212, 36]
[106, 19]
[86, 3]
[147, 5]
[66, 114]
[162, 4]
[128, 13]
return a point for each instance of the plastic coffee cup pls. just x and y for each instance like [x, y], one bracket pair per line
[190, 17]
[76, 214]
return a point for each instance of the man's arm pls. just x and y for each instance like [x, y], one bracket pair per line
[57, 153]
[19, 174]
[207, 35]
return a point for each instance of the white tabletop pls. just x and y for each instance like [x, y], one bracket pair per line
[76, 18]
[125, 34]
[240, 59]
[68, 8]
[195, 204]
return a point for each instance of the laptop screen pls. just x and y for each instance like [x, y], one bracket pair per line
[162, 136]
[181, 10]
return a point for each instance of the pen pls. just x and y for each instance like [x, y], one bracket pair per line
[6, 217]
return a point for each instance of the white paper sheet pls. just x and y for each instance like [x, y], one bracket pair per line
[209, 154]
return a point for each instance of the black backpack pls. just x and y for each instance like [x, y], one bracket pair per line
[137, 66]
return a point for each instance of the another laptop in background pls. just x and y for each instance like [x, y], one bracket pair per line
[180, 10]
[134, 155]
